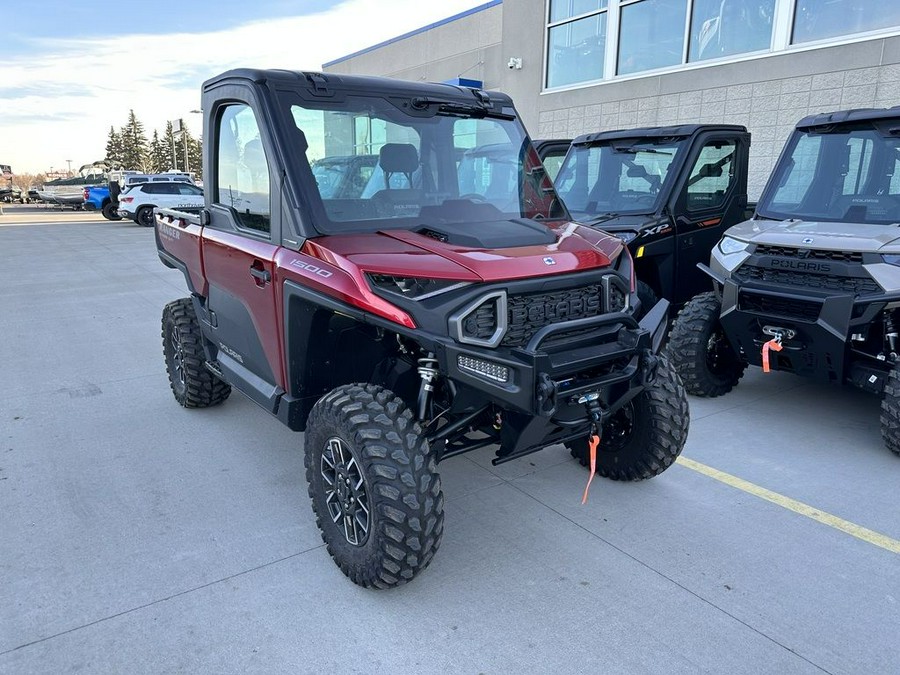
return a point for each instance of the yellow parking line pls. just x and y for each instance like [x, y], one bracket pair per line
[846, 526]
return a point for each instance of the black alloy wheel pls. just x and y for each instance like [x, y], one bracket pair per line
[618, 430]
[175, 356]
[700, 350]
[644, 437]
[346, 496]
[144, 216]
[192, 383]
[373, 484]
[110, 211]
[720, 356]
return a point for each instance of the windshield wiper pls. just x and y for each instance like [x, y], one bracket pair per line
[634, 151]
[602, 218]
[448, 107]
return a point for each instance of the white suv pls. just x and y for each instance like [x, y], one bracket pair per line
[138, 201]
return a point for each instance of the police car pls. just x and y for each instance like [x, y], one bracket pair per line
[137, 202]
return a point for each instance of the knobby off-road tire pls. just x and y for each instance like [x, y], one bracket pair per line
[700, 352]
[110, 212]
[192, 384]
[144, 216]
[646, 436]
[890, 412]
[383, 526]
[647, 297]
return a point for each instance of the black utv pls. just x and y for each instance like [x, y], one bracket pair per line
[668, 192]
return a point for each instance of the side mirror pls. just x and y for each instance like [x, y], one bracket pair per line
[636, 171]
[712, 170]
[205, 217]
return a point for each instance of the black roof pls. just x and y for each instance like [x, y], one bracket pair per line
[848, 117]
[655, 132]
[379, 86]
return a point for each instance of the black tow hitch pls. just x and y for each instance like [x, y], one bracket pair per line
[595, 410]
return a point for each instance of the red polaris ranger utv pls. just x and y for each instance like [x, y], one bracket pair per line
[436, 301]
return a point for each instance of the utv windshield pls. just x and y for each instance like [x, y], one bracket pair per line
[379, 165]
[343, 177]
[616, 177]
[840, 173]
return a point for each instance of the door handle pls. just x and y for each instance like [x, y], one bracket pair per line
[261, 275]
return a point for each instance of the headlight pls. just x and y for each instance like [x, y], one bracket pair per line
[626, 236]
[415, 288]
[891, 259]
[732, 245]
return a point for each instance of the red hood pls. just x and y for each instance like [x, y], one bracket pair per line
[405, 253]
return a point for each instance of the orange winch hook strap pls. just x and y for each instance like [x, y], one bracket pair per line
[592, 445]
[775, 345]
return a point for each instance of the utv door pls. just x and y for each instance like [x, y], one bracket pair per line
[552, 154]
[239, 247]
[711, 198]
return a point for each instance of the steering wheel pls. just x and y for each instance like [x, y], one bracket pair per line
[474, 197]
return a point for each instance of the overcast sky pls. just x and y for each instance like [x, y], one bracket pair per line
[70, 70]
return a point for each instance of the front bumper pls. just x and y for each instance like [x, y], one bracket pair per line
[541, 379]
[553, 393]
[820, 327]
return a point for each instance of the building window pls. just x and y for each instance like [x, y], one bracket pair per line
[590, 40]
[727, 27]
[576, 41]
[820, 19]
[651, 35]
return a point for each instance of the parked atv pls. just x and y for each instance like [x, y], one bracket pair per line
[668, 192]
[437, 310]
[811, 284]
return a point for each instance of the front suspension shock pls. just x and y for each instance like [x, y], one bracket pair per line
[428, 372]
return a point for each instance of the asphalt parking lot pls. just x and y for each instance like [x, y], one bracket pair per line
[137, 537]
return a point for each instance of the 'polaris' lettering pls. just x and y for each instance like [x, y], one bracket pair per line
[233, 354]
[801, 265]
[312, 269]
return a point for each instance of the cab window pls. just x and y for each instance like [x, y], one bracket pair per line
[242, 178]
[712, 176]
[553, 161]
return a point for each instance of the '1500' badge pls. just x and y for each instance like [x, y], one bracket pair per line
[549, 261]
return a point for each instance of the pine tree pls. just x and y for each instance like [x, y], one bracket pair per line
[194, 152]
[114, 149]
[159, 159]
[134, 143]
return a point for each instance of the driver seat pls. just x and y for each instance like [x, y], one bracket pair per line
[398, 158]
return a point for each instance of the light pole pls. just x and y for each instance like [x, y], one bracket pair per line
[193, 112]
[177, 126]
[69, 162]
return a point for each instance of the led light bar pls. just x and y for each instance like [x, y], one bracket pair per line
[492, 371]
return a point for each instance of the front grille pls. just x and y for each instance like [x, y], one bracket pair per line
[819, 282]
[518, 317]
[481, 323]
[529, 313]
[808, 254]
[617, 299]
[801, 310]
